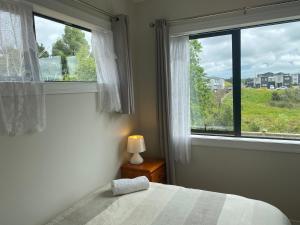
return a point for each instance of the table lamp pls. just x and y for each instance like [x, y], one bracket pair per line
[136, 145]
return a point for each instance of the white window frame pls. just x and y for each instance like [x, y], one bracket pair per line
[240, 143]
[62, 12]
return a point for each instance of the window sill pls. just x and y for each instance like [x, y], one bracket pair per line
[247, 143]
[52, 88]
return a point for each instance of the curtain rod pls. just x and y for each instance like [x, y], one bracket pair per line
[243, 9]
[106, 13]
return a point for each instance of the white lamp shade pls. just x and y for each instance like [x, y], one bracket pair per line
[136, 144]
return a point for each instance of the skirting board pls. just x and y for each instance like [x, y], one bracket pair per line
[295, 222]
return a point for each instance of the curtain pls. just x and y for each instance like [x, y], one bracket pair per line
[107, 72]
[173, 97]
[22, 100]
[121, 43]
[180, 100]
[163, 78]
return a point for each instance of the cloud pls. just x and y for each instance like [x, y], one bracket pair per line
[216, 56]
[273, 48]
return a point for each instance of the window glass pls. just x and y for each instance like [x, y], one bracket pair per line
[270, 57]
[64, 51]
[211, 83]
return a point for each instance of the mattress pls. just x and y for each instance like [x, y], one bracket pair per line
[169, 205]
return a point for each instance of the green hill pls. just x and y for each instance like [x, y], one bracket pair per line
[260, 114]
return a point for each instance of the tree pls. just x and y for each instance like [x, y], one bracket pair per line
[69, 44]
[43, 53]
[201, 95]
[86, 67]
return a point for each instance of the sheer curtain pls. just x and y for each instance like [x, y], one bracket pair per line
[22, 102]
[107, 73]
[180, 98]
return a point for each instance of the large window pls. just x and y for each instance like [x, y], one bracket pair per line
[246, 82]
[64, 51]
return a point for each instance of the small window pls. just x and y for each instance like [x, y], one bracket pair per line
[246, 82]
[64, 51]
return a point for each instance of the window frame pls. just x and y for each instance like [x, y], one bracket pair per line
[67, 24]
[236, 81]
[58, 21]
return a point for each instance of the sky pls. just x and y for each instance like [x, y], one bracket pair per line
[273, 48]
[47, 32]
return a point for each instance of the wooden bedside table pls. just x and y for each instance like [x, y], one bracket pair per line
[153, 169]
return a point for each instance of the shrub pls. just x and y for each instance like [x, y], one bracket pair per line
[224, 116]
[275, 96]
[287, 99]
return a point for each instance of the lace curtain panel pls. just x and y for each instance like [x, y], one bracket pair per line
[107, 72]
[22, 101]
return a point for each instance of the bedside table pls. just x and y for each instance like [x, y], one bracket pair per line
[153, 169]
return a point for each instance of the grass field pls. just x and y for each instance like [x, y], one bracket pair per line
[258, 115]
[264, 112]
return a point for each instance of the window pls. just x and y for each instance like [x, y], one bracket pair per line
[246, 82]
[211, 81]
[64, 50]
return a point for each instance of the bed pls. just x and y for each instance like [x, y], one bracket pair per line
[169, 205]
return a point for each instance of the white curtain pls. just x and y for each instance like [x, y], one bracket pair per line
[180, 98]
[107, 73]
[22, 103]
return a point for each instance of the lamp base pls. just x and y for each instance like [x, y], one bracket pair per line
[136, 159]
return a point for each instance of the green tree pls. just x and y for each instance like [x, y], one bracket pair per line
[86, 67]
[201, 95]
[43, 53]
[69, 44]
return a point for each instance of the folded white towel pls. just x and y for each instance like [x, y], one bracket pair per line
[125, 186]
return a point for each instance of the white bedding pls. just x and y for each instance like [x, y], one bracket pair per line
[173, 205]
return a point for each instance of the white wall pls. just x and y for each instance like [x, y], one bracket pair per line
[80, 150]
[44, 173]
[262, 175]
[269, 176]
